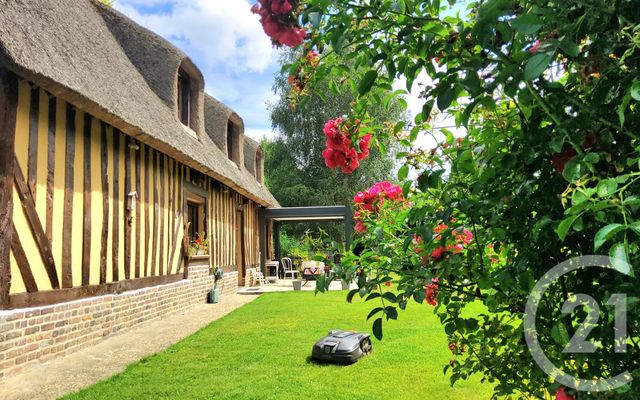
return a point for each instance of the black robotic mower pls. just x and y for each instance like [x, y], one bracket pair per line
[342, 347]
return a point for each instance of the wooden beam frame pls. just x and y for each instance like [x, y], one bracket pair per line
[22, 300]
[8, 110]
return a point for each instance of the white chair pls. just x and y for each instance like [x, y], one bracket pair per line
[289, 269]
[255, 277]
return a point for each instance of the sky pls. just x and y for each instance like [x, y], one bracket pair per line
[225, 40]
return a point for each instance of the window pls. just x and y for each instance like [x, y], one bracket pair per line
[230, 140]
[259, 165]
[196, 205]
[192, 218]
[184, 98]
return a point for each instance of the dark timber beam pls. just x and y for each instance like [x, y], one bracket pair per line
[276, 239]
[300, 214]
[8, 109]
[307, 213]
[262, 238]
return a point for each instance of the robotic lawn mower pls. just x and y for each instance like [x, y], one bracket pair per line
[343, 347]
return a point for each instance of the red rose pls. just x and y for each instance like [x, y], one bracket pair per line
[431, 292]
[438, 253]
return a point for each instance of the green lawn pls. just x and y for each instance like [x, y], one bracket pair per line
[261, 350]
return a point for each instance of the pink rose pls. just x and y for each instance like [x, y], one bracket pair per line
[360, 227]
[292, 37]
[359, 198]
[534, 47]
[281, 7]
[271, 27]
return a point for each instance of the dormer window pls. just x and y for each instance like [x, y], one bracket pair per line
[184, 98]
[234, 143]
[259, 165]
[231, 140]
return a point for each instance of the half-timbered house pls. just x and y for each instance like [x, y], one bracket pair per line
[112, 158]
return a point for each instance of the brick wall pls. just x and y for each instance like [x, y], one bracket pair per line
[33, 335]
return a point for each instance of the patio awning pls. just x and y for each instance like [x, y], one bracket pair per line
[299, 214]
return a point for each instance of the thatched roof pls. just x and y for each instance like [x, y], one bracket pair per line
[250, 150]
[102, 62]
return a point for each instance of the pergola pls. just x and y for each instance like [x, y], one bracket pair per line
[294, 215]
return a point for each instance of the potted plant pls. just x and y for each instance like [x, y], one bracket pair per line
[200, 246]
[214, 295]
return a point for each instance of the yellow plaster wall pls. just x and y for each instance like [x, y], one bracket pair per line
[24, 232]
[96, 201]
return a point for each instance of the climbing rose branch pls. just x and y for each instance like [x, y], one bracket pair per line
[280, 21]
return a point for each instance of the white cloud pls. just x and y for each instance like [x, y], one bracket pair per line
[259, 133]
[216, 33]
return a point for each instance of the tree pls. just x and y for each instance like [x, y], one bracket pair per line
[548, 93]
[294, 167]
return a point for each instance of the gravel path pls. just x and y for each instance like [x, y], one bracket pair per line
[87, 366]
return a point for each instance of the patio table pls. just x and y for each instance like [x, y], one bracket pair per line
[311, 269]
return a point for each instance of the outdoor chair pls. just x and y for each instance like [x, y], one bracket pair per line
[288, 268]
[256, 277]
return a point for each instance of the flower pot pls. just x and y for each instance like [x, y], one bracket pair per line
[345, 284]
[200, 252]
[297, 285]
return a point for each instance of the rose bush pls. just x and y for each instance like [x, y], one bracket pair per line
[344, 149]
[548, 94]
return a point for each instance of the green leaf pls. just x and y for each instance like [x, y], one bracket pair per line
[565, 224]
[635, 227]
[527, 24]
[374, 312]
[622, 107]
[391, 312]
[450, 329]
[619, 257]
[556, 143]
[605, 234]
[570, 48]
[435, 178]
[403, 172]
[419, 296]
[426, 110]
[573, 170]
[446, 97]
[607, 187]
[399, 126]
[537, 64]
[592, 158]
[377, 328]
[372, 296]
[560, 334]
[389, 296]
[635, 90]
[367, 81]
[351, 294]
